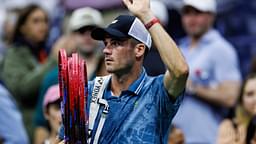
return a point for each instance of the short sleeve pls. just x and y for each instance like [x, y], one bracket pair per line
[168, 105]
[226, 65]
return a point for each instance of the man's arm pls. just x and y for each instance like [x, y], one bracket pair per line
[224, 94]
[177, 68]
[222, 89]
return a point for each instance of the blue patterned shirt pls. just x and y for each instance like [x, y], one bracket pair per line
[140, 115]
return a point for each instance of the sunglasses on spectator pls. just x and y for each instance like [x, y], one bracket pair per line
[85, 29]
[190, 10]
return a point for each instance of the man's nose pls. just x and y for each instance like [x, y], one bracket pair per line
[107, 49]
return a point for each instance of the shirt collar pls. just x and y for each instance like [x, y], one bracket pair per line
[207, 38]
[137, 85]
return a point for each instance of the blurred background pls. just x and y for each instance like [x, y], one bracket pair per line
[22, 94]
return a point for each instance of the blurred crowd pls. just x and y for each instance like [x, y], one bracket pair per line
[217, 38]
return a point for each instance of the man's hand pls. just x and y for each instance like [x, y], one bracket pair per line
[177, 73]
[66, 42]
[224, 94]
[140, 8]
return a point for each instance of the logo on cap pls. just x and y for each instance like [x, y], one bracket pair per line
[114, 21]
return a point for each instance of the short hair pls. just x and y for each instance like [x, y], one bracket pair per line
[134, 42]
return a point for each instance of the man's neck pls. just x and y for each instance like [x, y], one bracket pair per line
[194, 43]
[122, 82]
[195, 39]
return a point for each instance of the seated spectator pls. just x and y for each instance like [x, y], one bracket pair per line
[233, 130]
[51, 107]
[214, 77]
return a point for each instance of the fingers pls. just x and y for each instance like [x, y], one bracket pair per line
[139, 8]
[127, 2]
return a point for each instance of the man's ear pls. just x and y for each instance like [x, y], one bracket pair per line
[140, 50]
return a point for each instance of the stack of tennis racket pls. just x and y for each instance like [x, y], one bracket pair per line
[73, 93]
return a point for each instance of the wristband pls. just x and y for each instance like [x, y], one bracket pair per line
[152, 22]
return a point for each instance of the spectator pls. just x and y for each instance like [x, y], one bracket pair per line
[81, 23]
[26, 62]
[51, 107]
[233, 130]
[12, 129]
[214, 81]
[23, 65]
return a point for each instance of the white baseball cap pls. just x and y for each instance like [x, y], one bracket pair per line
[85, 17]
[202, 5]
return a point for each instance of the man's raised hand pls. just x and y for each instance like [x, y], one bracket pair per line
[140, 8]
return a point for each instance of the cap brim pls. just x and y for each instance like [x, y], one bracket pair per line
[186, 6]
[83, 26]
[101, 34]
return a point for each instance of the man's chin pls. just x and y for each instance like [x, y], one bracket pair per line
[196, 33]
[109, 70]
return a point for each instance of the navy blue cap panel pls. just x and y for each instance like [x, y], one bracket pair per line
[123, 23]
[119, 28]
[100, 34]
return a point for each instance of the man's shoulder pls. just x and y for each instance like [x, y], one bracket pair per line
[223, 48]
[219, 40]
[150, 81]
[217, 45]
[153, 81]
